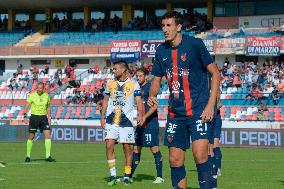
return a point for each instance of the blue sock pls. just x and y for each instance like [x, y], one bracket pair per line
[213, 171]
[218, 157]
[135, 162]
[204, 175]
[158, 163]
[177, 174]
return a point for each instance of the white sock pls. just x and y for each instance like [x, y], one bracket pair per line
[113, 169]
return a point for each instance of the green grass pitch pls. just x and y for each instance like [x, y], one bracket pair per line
[84, 166]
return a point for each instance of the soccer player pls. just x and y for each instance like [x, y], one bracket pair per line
[118, 103]
[39, 102]
[217, 133]
[148, 134]
[215, 155]
[186, 64]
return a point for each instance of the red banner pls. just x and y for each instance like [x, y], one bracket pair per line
[263, 46]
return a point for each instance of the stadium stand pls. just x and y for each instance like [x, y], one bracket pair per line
[10, 38]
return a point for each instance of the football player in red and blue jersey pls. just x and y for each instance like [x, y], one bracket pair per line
[186, 64]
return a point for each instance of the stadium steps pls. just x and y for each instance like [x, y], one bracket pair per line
[32, 40]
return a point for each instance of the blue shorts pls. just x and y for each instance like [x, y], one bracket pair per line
[216, 130]
[217, 126]
[179, 131]
[147, 136]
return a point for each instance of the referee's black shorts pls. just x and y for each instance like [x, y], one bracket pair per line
[38, 122]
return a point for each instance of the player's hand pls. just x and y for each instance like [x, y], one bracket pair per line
[208, 113]
[141, 121]
[152, 101]
[103, 122]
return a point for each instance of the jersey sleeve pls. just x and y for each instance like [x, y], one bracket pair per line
[205, 55]
[157, 68]
[137, 89]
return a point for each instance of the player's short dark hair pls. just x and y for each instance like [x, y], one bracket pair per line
[122, 63]
[173, 14]
[40, 83]
[144, 71]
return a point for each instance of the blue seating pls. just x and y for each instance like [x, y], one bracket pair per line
[10, 38]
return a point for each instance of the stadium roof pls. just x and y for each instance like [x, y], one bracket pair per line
[76, 4]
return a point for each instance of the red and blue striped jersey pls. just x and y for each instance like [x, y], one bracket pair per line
[185, 68]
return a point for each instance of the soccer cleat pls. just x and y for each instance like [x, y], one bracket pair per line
[28, 159]
[50, 159]
[219, 172]
[2, 164]
[126, 181]
[112, 181]
[158, 180]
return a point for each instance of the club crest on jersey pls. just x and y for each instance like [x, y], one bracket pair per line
[183, 57]
[170, 138]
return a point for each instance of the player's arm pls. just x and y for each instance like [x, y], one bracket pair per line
[149, 113]
[26, 110]
[158, 73]
[219, 103]
[103, 110]
[208, 112]
[139, 110]
[48, 111]
[154, 91]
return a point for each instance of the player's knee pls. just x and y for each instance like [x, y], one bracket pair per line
[200, 157]
[175, 161]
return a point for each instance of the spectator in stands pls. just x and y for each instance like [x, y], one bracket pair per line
[116, 23]
[45, 69]
[57, 77]
[275, 96]
[227, 33]
[237, 82]
[271, 27]
[262, 108]
[281, 84]
[68, 70]
[51, 81]
[47, 23]
[1, 23]
[5, 22]
[19, 69]
[34, 69]
[242, 30]
[56, 22]
[13, 84]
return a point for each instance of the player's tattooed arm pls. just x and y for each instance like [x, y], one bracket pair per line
[139, 110]
[208, 113]
[149, 113]
[154, 91]
[219, 103]
[103, 110]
